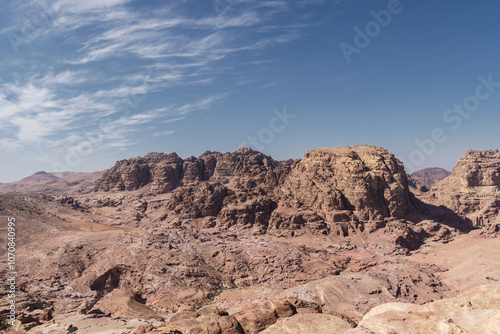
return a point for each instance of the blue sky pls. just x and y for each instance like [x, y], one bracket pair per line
[86, 83]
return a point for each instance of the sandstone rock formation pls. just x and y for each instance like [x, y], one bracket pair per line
[251, 319]
[365, 181]
[475, 311]
[329, 191]
[161, 173]
[309, 324]
[473, 188]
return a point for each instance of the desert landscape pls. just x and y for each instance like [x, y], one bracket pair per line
[245, 167]
[340, 241]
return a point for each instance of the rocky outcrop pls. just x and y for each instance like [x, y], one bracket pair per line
[473, 188]
[161, 173]
[493, 228]
[309, 324]
[479, 169]
[251, 319]
[205, 199]
[329, 187]
[474, 311]
[255, 318]
[365, 180]
[31, 310]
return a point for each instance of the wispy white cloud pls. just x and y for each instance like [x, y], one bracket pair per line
[76, 6]
[32, 113]
[174, 120]
[114, 55]
[202, 104]
[269, 85]
[164, 133]
[67, 78]
[39, 116]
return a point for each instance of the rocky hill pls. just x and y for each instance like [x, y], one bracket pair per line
[161, 173]
[427, 177]
[473, 188]
[366, 182]
[351, 185]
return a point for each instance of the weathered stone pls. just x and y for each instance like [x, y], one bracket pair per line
[473, 188]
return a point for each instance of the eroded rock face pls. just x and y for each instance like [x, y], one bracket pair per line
[205, 199]
[256, 318]
[162, 173]
[249, 189]
[473, 188]
[479, 169]
[251, 319]
[339, 191]
[309, 324]
[367, 180]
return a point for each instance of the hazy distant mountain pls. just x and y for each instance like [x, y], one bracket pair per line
[428, 176]
[62, 182]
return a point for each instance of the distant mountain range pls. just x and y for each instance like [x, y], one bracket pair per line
[54, 183]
